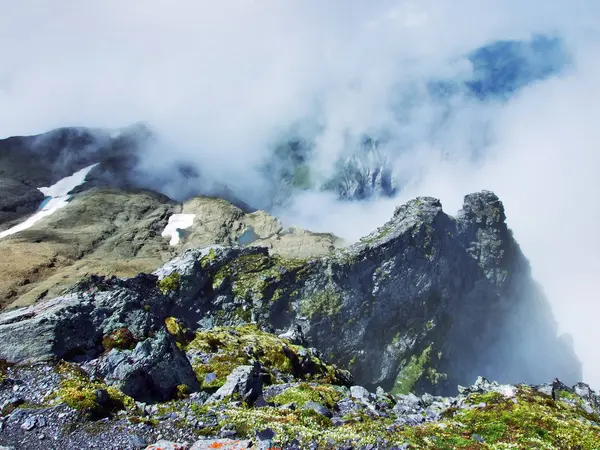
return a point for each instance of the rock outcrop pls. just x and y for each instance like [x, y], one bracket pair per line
[241, 343]
[426, 302]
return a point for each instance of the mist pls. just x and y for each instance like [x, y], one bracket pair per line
[222, 82]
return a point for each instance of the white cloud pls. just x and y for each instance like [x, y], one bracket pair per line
[220, 80]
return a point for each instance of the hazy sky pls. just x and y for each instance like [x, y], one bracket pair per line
[221, 81]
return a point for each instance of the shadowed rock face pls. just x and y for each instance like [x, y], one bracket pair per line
[426, 302]
[29, 162]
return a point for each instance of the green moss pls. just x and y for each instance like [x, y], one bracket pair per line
[150, 421]
[4, 365]
[209, 258]
[122, 339]
[303, 393]
[170, 283]
[326, 302]
[434, 376]
[244, 314]
[379, 235]
[257, 276]
[412, 372]
[77, 391]
[226, 348]
[183, 391]
[535, 421]
[568, 395]
[346, 257]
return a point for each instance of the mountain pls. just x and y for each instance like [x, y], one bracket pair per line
[130, 317]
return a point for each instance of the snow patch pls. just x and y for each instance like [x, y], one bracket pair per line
[178, 222]
[57, 197]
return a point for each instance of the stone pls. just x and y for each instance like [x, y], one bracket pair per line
[244, 382]
[152, 371]
[360, 393]
[29, 423]
[136, 441]
[102, 397]
[318, 408]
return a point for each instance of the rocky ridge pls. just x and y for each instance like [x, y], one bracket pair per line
[113, 232]
[222, 341]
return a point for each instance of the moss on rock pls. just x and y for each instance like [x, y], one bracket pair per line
[80, 393]
[257, 276]
[412, 372]
[121, 339]
[226, 348]
[492, 421]
[170, 283]
[304, 392]
[326, 303]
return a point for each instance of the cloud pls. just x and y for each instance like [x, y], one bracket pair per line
[221, 82]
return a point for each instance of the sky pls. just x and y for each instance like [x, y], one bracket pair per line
[221, 82]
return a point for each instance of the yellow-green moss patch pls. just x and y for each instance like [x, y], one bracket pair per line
[229, 347]
[535, 421]
[170, 283]
[79, 392]
[304, 392]
[257, 275]
[121, 339]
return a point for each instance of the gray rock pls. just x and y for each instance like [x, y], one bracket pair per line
[11, 402]
[244, 382]
[29, 424]
[102, 397]
[360, 393]
[137, 441]
[76, 322]
[18, 199]
[294, 335]
[478, 438]
[152, 371]
[318, 408]
[210, 377]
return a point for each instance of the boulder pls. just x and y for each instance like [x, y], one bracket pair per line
[244, 383]
[150, 372]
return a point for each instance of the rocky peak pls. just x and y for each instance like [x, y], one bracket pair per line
[484, 208]
[424, 303]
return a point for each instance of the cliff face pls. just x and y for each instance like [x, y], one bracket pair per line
[426, 302]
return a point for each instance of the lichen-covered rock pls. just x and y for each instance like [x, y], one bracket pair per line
[75, 324]
[243, 383]
[217, 352]
[151, 372]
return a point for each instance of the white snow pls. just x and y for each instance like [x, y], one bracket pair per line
[178, 222]
[59, 198]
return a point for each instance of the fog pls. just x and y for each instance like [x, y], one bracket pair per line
[222, 82]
